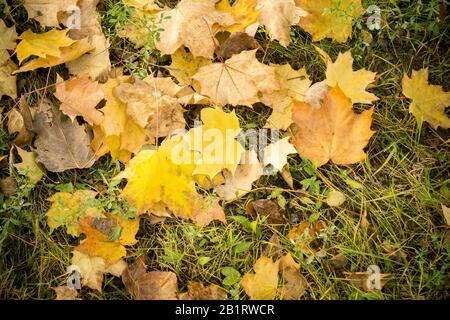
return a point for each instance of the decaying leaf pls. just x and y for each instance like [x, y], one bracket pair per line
[236, 43]
[92, 269]
[191, 24]
[28, 167]
[329, 18]
[266, 208]
[293, 284]
[446, 213]
[306, 236]
[8, 186]
[240, 183]
[352, 83]
[20, 121]
[238, 80]
[333, 132]
[79, 97]
[428, 101]
[68, 209]
[198, 291]
[61, 144]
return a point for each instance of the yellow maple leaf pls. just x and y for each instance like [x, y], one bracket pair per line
[107, 237]
[68, 208]
[243, 11]
[428, 101]
[216, 142]
[263, 284]
[238, 80]
[332, 132]
[185, 65]
[70, 53]
[352, 83]
[117, 133]
[330, 18]
[42, 44]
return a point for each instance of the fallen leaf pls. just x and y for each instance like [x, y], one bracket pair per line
[154, 285]
[42, 44]
[28, 167]
[215, 142]
[240, 183]
[306, 236]
[330, 19]
[265, 208]
[72, 52]
[46, 11]
[238, 80]
[20, 121]
[184, 65]
[98, 242]
[66, 293]
[8, 86]
[293, 86]
[191, 24]
[95, 63]
[61, 144]
[293, 284]
[8, 38]
[243, 12]
[236, 43]
[92, 269]
[280, 120]
[315, 94]
[198, 291]
[278, 16]
[68, 209]
[352, 83]
[428, 101]
[263, 283]
[79, 97]
[275, 154]
[333, 132]
[117, 134]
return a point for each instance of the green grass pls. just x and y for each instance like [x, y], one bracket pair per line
[391, 217]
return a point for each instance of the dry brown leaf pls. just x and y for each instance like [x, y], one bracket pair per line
[266, 208]
[236, 43]
[154, 285]
[21, 121]
[238, 80]
[293, 284]
[333, 132]
[79, 97]
[66, 293]
[198, 291]
[61, 144]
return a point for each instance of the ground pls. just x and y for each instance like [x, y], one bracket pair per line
[392, 216]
